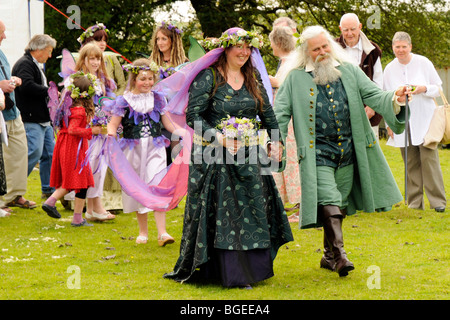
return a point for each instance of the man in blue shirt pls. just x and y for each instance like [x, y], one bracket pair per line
[15, 154]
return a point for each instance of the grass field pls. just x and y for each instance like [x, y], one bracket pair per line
[398, 255]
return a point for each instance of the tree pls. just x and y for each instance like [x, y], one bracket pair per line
[130, 24]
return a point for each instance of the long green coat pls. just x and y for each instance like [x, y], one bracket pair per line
[374, 187]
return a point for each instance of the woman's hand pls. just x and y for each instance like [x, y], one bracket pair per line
[231, 145]
[96, 130]
[418, 89]
[275, 150]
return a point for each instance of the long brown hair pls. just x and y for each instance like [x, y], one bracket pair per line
[177, 54]
[249, 72]
[87, 51]
[98, 35]
[84, 83]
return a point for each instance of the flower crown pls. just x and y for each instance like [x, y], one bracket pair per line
[135, 69]
[170, 26]
[237, 37]
[90, 32]
[75, 91]
[165, 72]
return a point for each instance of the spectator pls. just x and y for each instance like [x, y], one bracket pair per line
[366, 54]
[14, 154]
[31, 99]
[424, 170]
[288, 182]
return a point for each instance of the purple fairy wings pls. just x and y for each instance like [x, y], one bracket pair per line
[67, 64]
[59, 109]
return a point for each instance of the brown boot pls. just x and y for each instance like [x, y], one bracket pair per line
[332, 226]
[327, 261]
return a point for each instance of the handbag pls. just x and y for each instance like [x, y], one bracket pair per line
[439, 130]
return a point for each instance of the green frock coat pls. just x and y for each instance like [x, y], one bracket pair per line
[374, 187]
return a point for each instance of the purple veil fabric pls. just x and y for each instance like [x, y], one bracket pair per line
[170, 186]
[176, 87]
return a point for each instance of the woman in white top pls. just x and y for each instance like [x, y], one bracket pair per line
[424, 170]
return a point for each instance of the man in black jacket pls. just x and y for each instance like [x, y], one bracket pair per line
[31, 99]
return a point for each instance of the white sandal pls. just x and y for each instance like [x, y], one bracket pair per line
[4, 213]
[141, 239]
[164, 239]
[99, 216]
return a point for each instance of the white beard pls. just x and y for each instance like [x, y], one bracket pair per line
[324, 71]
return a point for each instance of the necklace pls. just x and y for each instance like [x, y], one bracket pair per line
[235, 76]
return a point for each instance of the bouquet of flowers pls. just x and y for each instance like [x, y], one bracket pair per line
[238, 128]
[100, 119]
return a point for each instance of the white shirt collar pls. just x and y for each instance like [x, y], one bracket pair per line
[358, 45]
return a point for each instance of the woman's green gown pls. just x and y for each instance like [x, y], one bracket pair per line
[234, 221]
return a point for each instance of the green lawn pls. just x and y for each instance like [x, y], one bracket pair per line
[401, 254]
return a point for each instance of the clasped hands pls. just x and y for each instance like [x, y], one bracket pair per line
[407, 91]
[274, 148]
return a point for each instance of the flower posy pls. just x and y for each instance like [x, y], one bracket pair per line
[90, 32]
[237, 128]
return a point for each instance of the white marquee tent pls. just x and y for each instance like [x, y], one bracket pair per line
[23, 19]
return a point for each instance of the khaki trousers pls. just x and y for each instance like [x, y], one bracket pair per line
[15, 158]
[424, 172]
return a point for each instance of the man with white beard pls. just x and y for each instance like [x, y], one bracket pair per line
[342, 167]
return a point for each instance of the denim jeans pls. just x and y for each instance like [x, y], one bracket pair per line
[41, 143]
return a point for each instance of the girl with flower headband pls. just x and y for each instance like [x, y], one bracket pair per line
[139, 111]
[73, 116]
[99, 34]
[168, 53]
[90, 60]
[234, 218]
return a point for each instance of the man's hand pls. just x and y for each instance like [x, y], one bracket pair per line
[369, 111]
[402, 92]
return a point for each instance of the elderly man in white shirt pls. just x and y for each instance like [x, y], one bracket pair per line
[364, 53]
[424, 170]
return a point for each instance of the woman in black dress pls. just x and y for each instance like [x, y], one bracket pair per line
[234, 219]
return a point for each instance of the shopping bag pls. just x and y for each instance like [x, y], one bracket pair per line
[439, 130]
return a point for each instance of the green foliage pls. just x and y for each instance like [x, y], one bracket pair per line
[131, 23]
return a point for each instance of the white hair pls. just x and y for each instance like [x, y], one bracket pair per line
[349, 16]
[40, 42]
[300, 57]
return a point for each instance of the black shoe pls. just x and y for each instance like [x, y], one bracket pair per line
[439, 209]
[51, 211]
[46, 195]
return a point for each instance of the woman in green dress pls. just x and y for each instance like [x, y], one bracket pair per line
[234, 219]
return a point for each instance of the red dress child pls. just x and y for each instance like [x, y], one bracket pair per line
[69, 154]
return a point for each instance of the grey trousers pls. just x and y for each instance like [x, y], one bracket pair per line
[424, 173]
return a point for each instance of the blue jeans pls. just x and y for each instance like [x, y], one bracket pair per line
[41, 143]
